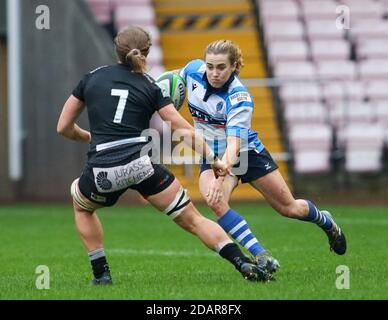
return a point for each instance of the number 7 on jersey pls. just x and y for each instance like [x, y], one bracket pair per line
[123, 94]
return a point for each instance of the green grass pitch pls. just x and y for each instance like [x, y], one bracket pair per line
[151, 258]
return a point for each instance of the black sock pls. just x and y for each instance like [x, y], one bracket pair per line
[234, 255]
[99, 263]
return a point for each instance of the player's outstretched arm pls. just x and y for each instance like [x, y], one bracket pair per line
[171, 115]
[66, 124]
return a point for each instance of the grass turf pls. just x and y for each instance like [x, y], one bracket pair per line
[151, 258]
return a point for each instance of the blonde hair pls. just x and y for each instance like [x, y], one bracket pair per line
[132, 47]
[227, 47]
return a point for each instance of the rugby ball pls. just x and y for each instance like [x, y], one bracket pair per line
[173, 86]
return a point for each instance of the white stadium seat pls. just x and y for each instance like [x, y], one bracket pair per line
[344, 91]
[304, 113]
[377, 90]
[337, 70]
[363, 148]
[295, 70]
[319, 9]
[372, 49]
[324, 29]
[300, 92]
[311, 145]
[373, 69]
[142, 15]
[278, 10]
[284, 30]
[338, 49]
[288, 51]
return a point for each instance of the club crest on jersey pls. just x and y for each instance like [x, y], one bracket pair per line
[240, 97]
[219, 106]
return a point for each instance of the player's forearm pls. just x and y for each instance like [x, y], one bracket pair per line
[232, 151]
[197, 143]
[74, 132]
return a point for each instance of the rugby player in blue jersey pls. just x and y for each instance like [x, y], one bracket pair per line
[222, 109]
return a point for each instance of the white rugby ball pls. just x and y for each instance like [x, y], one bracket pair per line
[173, 86]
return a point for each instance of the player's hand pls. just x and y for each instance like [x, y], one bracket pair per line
[220, 169]
[215, 193]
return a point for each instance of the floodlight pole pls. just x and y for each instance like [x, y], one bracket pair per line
[15, 163]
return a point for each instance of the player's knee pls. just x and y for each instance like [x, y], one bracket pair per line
[218, 208]
[178, 205]
[78, 199]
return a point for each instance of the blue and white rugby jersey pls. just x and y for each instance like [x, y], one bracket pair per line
[221, 112]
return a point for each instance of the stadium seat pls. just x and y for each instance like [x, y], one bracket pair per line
[302, 70]
[368, 29]
[287, 51]
[323, 29]
[381, 110]
[102, 10]
[304, 113]
[342, 113]
[372, 69]
[284, 30]
[142, 15]
[363, 148]
[365, 9]
[344, 91]
[319, 9]
[372, 49]
[376, 90]
[278, 10]
[300, 92]
[311, 146]
[322, 50]
[337, 70]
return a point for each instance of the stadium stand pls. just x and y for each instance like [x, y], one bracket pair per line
[342, 73]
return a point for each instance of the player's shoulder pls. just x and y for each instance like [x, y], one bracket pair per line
[238, 93]
[194, 66]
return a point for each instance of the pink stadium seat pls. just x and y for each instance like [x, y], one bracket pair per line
[365, 9]
[373, 69]
[295, 70]
[288, 51]
[324, 29]
[155, 56]
[311, 145]
[372, 49]
[368, 29]
[344, 91]
[102, 10]
[363, 148]
[142, 15]
[342, 113]
[156, 70]
[377, 90]
[381, 110]
[337, 70]
[284, 30]
[330, 50]
[278, 10]
[319, 9]
[304, 113]
[300, 92]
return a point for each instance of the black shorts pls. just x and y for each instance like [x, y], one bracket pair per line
[253, 166]
[99, 177]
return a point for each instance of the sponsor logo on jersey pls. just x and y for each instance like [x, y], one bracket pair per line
[97, 198]
[102, 180]
[194, 86]
[240, 97]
